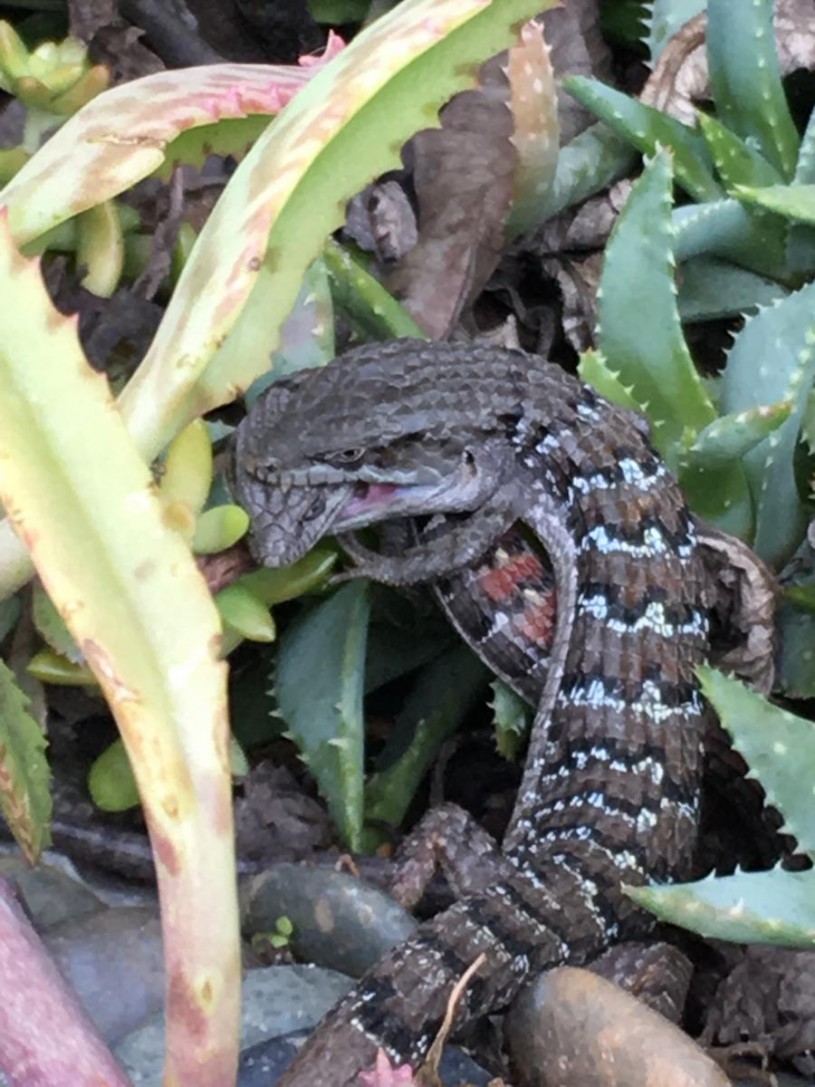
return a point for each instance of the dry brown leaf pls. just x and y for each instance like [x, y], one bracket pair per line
[462, 176]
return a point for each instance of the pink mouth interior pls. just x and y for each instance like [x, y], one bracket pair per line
[368, 496]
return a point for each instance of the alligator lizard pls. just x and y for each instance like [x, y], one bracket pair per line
[472, 443]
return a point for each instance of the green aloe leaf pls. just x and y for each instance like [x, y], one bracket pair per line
[649, 357]
[648, 129]
[795, 622]
[727, 439]
[307, 336]
[371, 309]
[793, 201]
[666, 18]
[778, 747]
[245, 614]
[511, 719]
[773, 359]
[218, 528]
[736, 162]
[51, 626]
[319, 685]
[25, 799]
[746, 79]
[9, 614]
[776, 907]
[110, 780]
[728, 229]
[587, 164]
[805, 166]
[289, 582]
[594, 370]
[649, 353]
[50, 667]
[801, 243]
[711, 288]
[187, 474]
[444, 693]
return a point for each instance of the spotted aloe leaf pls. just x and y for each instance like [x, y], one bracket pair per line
[512, 718]
[586, 165]
[737, 163]
[536, 126]
[711, 288]
[746, 80]
[728, 229]
[650, 354]
[759, 907]
[51, 626]
[370, 309]
[594, 370]
[778, 746]
[794, 201]
[648, 129]
[727, 439]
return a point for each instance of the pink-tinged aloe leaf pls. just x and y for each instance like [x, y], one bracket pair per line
[128, 133]
[46, 1038]
[24, 796]
[289, 193]
[84, 503]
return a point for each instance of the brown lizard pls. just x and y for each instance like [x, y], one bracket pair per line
[487, 444]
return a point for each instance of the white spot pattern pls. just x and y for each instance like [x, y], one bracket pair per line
[631, 472]
[650, 705]
[653, 618]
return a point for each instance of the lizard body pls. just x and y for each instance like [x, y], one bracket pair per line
[482, 441]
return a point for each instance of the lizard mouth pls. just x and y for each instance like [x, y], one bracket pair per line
[367, 501]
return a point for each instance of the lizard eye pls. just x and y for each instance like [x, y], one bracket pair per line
[345, 458]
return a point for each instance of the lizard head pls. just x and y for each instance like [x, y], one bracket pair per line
[370, 437]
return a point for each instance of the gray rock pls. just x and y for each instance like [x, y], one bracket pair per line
[339, 921]
[49, 894]
[113, 959]
[276, 1000]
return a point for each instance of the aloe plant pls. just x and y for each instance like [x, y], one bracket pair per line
[751, 143]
